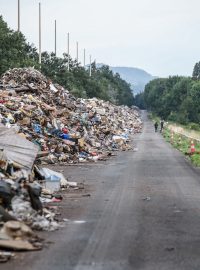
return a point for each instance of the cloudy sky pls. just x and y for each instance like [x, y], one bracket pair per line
[160, 36]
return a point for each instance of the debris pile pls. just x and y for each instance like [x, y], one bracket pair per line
[42, 123]
[66, 129]
[21, 197]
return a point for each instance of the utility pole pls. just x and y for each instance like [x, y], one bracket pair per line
[90, 65]
[40, 35]
[68, 51]
[77, 51]
[18, 16]
[55, 39]
[84, 58]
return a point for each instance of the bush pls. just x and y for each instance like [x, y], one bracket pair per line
[194, 126]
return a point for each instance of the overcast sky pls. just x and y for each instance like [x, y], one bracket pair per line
[159, 36]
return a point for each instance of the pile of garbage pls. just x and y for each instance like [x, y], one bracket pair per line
[25, 202]
[21, 196]
[66, 129]
[42, 123]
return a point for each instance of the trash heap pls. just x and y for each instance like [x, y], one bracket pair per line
[21, 195]
[42, 123]
[66, 129]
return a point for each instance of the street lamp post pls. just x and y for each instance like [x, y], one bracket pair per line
[18, 15]
[55, 38]
[77, 52]
[84, 58]
[40, 35]
[68, 51]
[90, 65]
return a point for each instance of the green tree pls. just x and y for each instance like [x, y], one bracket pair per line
[169, 98]
[139, 101]
[196, 71]
[14, 51]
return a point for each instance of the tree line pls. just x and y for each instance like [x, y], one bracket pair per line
[176, 98]
[15, 51]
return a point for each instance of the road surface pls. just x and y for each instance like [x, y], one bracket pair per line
[143, 213]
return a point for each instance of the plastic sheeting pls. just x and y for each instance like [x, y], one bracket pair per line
[17, 148]
[52, 176]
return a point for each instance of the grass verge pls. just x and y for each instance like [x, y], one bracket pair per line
[183, 144]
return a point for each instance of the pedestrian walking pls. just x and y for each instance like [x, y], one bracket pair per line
[161, 125]
[156, 126]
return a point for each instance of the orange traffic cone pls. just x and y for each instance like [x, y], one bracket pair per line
[192, 148]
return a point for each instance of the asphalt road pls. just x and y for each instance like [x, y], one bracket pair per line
[143, 213]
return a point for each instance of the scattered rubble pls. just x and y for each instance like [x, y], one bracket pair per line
[42, 123]
[5, 256]
[16, 235]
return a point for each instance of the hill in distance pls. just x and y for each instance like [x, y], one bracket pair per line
[138, 78]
